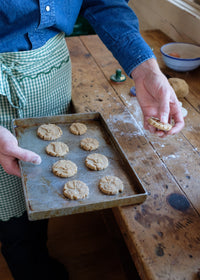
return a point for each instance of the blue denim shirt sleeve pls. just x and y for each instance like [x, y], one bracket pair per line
[26, 25]
[118, 27]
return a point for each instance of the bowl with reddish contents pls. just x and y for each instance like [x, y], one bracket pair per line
[181, 56]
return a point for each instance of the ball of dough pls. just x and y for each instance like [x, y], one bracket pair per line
[180, 87]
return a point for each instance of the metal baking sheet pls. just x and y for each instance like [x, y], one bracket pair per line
[44, 191]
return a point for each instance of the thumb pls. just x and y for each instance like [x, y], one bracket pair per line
[26, 155]
[164, 116]
[164, 110]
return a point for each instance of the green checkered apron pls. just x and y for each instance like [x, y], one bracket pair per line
[32, 83]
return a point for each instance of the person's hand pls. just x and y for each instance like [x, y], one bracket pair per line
[156, 97]
[10, 152]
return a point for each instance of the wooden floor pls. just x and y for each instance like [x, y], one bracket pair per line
[90, 245]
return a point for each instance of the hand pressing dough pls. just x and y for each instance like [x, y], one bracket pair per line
[49, 131]
[96, 161]
[57, 149]
[78, 128]
[157, 124]
[180, 87]
[75, 190]
[89, 144]
[64, 168]
[111, 185]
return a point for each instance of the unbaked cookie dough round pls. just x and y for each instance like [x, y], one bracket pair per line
[96, 161]
[64, 168]
[89, 144]
[57, 149]
[78, 128]
[157, 124]
[111, 185]
[75, 190]
[49, 131]
[180, 87]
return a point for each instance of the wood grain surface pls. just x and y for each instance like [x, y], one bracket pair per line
[163, 233]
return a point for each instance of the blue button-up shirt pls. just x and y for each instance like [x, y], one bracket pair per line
[27, 25]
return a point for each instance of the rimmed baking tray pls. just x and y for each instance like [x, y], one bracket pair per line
[44, 191]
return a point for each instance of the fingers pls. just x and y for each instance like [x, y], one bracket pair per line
[169, 112]
[164, 109]
[9, 147]
[10, 152]
[10, 162]
[176, 129]
[179, 124]
[25, 155]
[10, 165]
[154, 130]
[177, 117]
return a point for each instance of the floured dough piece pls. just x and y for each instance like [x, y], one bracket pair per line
[111, 185]
[78, 128]
[76, 190]
[64, 168]
[157, 124]
[89, 144]
[49, 131]
[180, 87]
[184, 112]
[57, 149]
[96, 161]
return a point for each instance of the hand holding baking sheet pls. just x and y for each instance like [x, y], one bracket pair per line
[10, 152]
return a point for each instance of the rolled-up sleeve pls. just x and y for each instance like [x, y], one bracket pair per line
[117, 26]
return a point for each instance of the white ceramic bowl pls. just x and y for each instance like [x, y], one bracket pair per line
[181, 56]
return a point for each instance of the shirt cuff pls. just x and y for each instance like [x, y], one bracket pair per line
[135, 51]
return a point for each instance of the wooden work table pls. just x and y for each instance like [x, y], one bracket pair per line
[163, 233]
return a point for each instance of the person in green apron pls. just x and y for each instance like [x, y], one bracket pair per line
[37, 84]
[35, 80]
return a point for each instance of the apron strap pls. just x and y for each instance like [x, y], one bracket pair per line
[17, 100]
